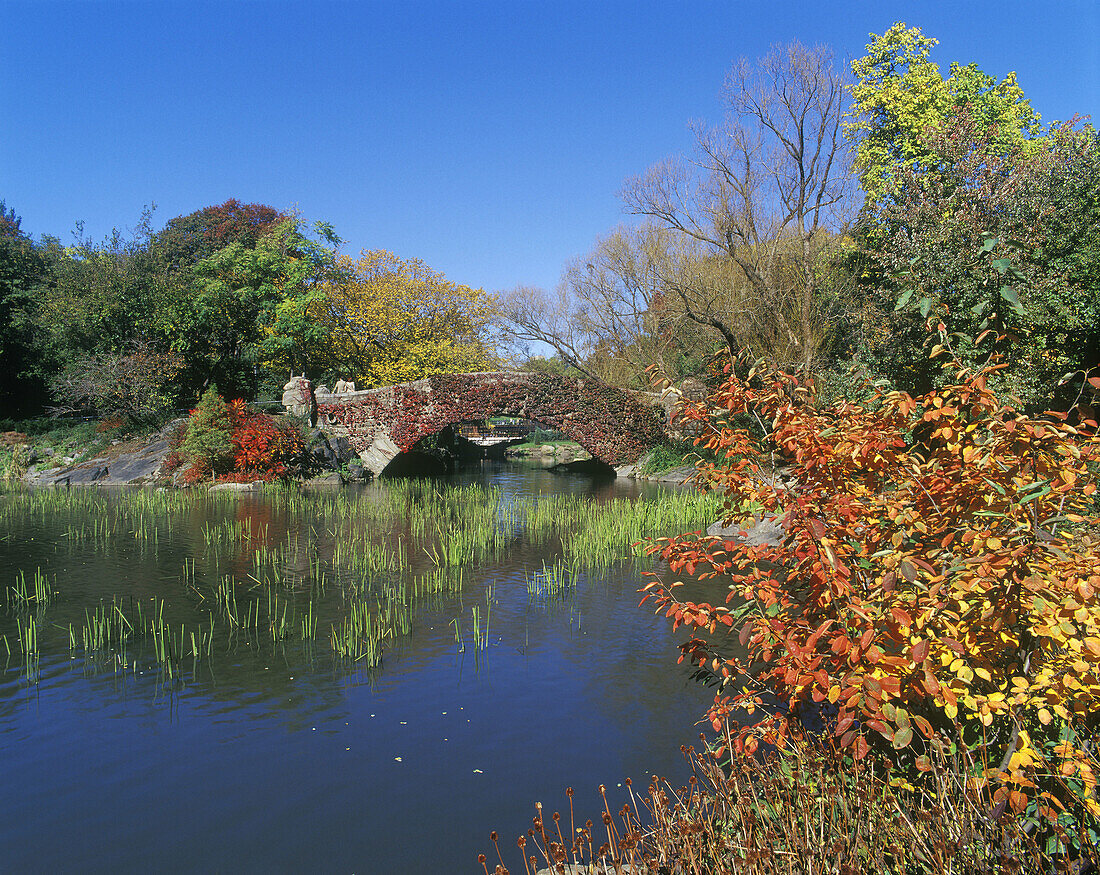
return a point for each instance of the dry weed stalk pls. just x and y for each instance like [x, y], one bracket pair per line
[801, 811]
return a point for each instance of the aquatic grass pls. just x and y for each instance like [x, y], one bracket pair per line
[391, 552]
[37, 595]
[27, 629]
[553, 581]
[359, 637]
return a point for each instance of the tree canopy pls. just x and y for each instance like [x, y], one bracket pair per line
[234, 296]
[899, 96]
[390, 320]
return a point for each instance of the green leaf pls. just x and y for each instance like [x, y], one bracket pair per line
[1010, 295]
[988, 244]
[904, 299]
[979, 308]
[1038, 494]
[1002, 265]
[925, 306]
[996, 487]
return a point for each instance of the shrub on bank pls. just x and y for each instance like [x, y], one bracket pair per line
[664, 457]
[910, 681]
[233, 443]
[933, 613]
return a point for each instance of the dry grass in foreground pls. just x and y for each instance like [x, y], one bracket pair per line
[802, 812]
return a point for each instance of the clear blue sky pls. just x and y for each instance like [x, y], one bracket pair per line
[488, 138]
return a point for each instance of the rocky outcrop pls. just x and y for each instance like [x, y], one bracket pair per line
[139, 466]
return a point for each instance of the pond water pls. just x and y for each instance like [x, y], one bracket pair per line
[185, 685]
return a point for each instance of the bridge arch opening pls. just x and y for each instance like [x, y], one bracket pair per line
[516, 440]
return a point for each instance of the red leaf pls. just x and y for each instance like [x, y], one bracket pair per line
[745, 633]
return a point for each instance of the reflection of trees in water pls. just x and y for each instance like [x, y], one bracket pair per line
[623, 669]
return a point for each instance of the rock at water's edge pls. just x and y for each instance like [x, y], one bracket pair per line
[767, 532]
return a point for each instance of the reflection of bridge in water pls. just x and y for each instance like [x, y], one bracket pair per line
[494, 434]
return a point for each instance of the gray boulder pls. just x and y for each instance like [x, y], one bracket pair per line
[677, 475]
[330, 451]
[135, 468]
[766, 532]
[139, 467]
[329, 480]
[91, 473]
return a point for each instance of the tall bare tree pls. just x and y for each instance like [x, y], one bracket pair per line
[533, 315]
[624, 305]
[768, 191]
[613, 315]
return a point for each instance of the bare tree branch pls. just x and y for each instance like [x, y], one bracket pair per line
[768, 191]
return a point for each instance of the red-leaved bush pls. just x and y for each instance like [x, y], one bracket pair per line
[256, 447]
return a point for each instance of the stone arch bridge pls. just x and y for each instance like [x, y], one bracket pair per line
[615, 426]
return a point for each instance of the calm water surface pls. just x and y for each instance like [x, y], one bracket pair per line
[270, 757]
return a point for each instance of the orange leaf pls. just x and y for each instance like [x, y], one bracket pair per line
[901, 616]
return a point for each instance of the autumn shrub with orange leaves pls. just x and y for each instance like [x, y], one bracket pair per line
[935, 599]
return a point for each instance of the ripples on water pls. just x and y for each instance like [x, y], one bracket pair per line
[269, 755]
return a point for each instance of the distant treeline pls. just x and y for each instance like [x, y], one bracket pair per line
[235, 296]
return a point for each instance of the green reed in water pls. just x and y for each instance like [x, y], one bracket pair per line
[37, 594]
[257, 568]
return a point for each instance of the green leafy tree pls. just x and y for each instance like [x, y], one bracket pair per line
[207, 445]
[1000, 247]
[246, 311]
[23, 271]
[104, 301]
[900, 94]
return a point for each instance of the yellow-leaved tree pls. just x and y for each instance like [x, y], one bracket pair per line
[392, 320]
